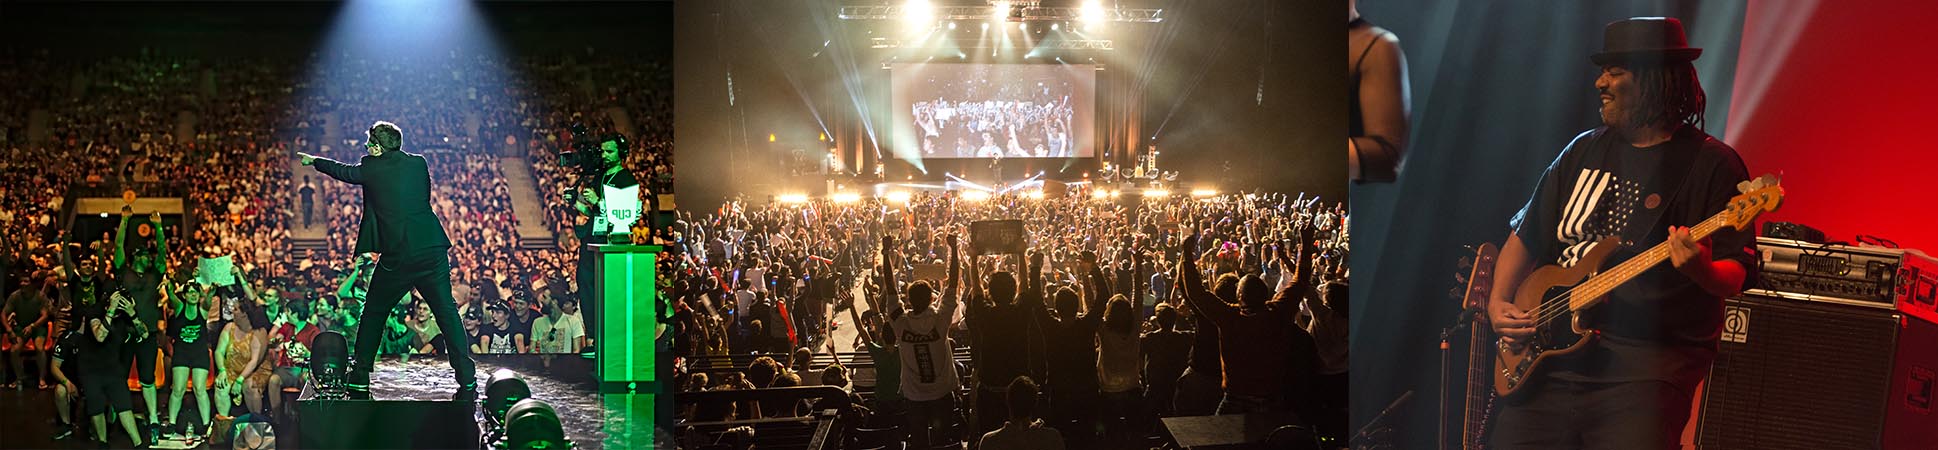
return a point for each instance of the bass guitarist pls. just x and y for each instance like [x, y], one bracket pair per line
[1645, 176]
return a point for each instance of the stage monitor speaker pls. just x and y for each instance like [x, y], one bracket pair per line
[387, 424]
[1799, 374]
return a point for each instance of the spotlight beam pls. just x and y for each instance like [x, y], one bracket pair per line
[843, 58]
[1217, 50]
[764, 34]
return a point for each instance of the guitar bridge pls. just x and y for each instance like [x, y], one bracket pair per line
[1519, 370]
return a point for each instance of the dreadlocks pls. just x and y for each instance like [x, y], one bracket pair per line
[1668, 94]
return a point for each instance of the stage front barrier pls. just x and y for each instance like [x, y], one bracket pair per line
[627, 310]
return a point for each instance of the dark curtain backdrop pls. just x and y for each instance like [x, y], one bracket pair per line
[1498, 88]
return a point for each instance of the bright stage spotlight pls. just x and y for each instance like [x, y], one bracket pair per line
[974, 195]
[534, 424]
[952, 25]
[1000, 12]
[1092, 12]
[897, 196]
[503, 389]
[792, 199]
[1033, 195]
[1204, 192]
[845, 197]
[330, 364]
[1053, 27]
[918, 16]
[1156, 193]
[1100, 194]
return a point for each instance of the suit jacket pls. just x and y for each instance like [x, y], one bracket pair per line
[397, 215]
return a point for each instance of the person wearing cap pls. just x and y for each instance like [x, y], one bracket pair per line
[398, 223]
[1645, 175]
[141, 277]
[499, 334]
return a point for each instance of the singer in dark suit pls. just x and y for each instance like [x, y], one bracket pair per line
[398, 224]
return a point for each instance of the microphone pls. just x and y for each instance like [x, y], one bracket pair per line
[1384, 415]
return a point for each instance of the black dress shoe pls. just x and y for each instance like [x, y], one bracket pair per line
[466, 393]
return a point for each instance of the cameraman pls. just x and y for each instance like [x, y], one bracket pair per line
[612, 207]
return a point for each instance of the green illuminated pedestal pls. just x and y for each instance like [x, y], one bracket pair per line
[628, 320]
[623, 278]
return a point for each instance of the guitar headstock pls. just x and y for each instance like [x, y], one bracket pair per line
[1478, 282]
[1760, 195]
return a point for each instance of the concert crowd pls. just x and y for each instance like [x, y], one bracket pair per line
[1113, 315]
[83, 307]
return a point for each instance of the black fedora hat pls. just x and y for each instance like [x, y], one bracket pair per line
[1645, 39]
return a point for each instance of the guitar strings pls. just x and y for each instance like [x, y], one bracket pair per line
[1552, 308]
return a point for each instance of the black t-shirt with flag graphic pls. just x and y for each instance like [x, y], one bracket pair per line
[1660, 325]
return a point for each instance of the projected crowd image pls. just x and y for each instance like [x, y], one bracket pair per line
[994, 110]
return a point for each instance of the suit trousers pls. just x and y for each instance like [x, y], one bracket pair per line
[428, 271]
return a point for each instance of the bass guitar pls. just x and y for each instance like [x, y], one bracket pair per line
[1554, 295]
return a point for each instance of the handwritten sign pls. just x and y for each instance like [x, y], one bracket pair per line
[216, 271]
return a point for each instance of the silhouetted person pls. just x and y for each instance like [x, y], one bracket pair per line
[398, 223]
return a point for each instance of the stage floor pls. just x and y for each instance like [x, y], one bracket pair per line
[567, 384]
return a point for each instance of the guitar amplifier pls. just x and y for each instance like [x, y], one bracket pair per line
[1803, 374]
[1906, 280]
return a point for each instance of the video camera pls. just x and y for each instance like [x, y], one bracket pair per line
[584, 153]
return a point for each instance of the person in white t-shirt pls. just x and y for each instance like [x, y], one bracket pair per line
[929, 380]
[757, 276]
[743, 298]
[559, 330]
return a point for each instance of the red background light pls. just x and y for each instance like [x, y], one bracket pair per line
[1843, 100]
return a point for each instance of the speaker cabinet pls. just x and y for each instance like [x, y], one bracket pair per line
[1801, 374]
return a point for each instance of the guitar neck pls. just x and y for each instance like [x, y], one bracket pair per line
[1591, 292]
[1480, 378]
[1480, 362]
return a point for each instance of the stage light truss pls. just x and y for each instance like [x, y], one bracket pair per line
[1021, 12]
[1059, 44]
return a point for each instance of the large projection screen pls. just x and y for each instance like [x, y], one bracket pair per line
[959, 110]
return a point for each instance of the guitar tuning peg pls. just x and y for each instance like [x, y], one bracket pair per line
[1465, 263]
[1460, 278]
[1453, 292]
